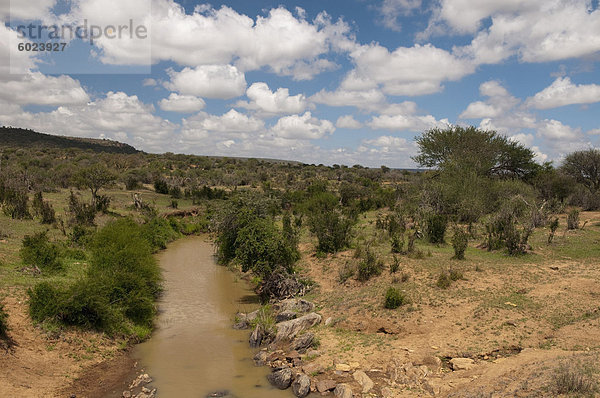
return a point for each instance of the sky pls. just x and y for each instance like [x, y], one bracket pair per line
[332, 81]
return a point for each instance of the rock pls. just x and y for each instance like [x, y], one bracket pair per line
[126, 394]
[342, 391]
[302, 343]
[281, 378]
[386, 392]
[295, 305]
[365, 381]
[328, 321]
[285, 316]
[313, 368]
[289, 329]
[325, 385]
[301, 385]
[260, 359]
[343, 367]
[146, 390]
[243, 320]
[257, 336]
[313, 353]
[292, 355]
[219, 394]
[462, 363]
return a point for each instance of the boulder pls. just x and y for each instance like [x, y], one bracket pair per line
[281, 285]
[342, 391]
[257, 336]
[301, 385]
[325, 385]
[285, 316]
[365, 381]
[294, 305]
[462, 363]
[281, 378]
[302, 343]
[289, 329]
[260, 359]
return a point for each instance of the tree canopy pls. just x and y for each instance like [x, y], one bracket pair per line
[487, 153]
[584, 167]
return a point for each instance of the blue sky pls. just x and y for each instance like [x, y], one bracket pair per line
[329, 82]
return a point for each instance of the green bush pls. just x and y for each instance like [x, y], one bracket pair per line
[460, 241]
[37, 250]
[370, 266]
[553, 227]
[158, 232]
[395, 266]
[81, 213]
[394, 298]
[435, 228]
[397, 241]
[444, 281]
[161, 186]
[118, 291]
[332, 228]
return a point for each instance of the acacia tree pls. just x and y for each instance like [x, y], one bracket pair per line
[485, 152]
[94, 178]
[584, 167]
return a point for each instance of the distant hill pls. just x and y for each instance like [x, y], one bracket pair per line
[17, 137]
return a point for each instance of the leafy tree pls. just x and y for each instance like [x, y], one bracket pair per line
[94, 178]
[485, 152]
[584, 167]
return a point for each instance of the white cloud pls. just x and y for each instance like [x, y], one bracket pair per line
[411, 71]
[347, 122]
[37, 89]
[208, 81]
[268, 103]
[405, 122]
[181, 103]
[202, 124]
[536, 30]
[556, 130]
[390, 10]
[499, 102]
[304, 127]
[149, 82]
[25, 10]
[363, 99]
[563, 92]
[281, 42]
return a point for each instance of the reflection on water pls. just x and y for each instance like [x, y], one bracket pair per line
[194, 351]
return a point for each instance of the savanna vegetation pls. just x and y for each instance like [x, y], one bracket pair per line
[80, 224]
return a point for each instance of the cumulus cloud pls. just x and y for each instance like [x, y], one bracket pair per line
[280, 41]
[390, 10]
[405, 122]
[208, 81]
[269, 103]
[363, 99]
[411, 71]
[563, 92]
[181, 103]
[535, 31]
[304, 127]
[347, 122]
[498, 103]
[35, 88]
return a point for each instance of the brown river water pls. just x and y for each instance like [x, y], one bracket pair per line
[193, 350]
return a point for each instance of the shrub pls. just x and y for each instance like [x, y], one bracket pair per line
[102, 203]
[332, 229]
[444, 281]
[174, 204]
[37, 251]
[574, 378]
[435, 228]
[345, 272]
[395, 266]
[81, 236]
[44, 302]
[370, 266]
[573, 219]
[81, 213]
[43, 209]
[260, 248]
[161, 186]
[553, 227]
[460, 241]
[397, 241]
[158, 232]
[16, 203]
[394, 298]
[175, 192]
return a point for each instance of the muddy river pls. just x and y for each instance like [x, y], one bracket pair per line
[194, 351]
